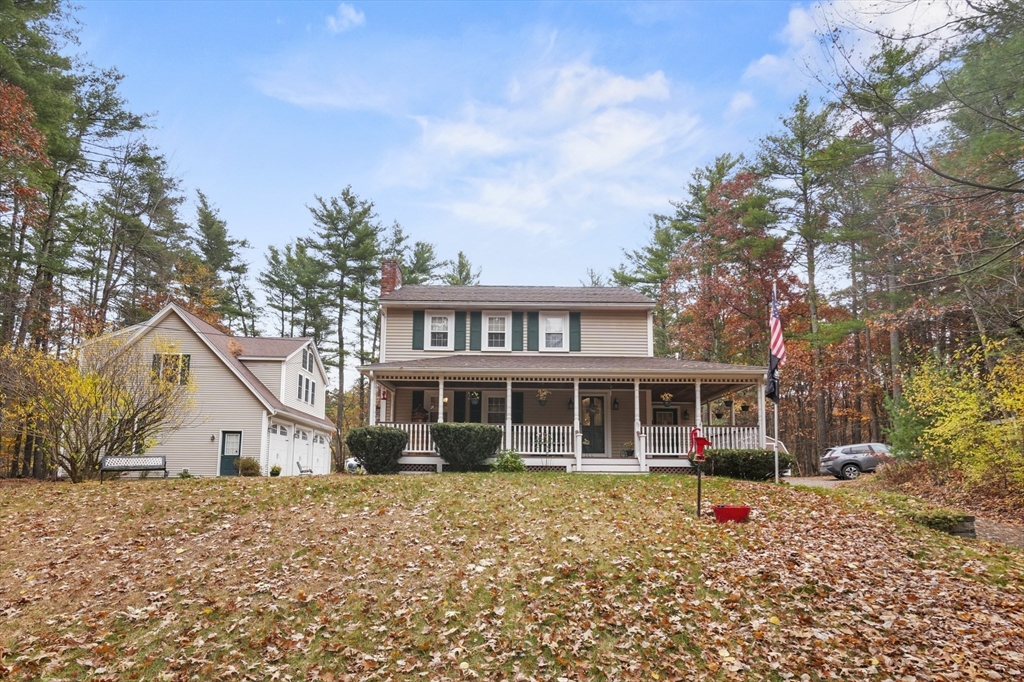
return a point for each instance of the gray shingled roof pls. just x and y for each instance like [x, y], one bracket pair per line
[562, 363]
[508, 295]
[276, 347]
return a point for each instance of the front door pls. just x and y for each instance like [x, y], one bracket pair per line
[666, 417]
[592, 424]
[230, 449]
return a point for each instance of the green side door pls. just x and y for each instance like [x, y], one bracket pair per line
[230, 450]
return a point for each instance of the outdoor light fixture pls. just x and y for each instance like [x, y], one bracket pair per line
[568, 404]
[686, 414]
[213, 437]
[615, 403]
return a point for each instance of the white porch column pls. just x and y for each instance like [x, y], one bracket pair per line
[440, 400]
[508, 412]
[638, 444]
[698, 418]
[373, 401]
[760, 414]
[577, 434]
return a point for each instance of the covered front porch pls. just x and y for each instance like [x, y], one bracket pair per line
[630, 421]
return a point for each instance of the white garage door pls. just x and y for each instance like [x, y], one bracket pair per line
[321, 455]
[279, 440]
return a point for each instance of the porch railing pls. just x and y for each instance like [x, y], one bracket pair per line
[674, 441]
[420, 442]
[542, 439]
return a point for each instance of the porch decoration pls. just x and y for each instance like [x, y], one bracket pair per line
[731, 512]
[744, 407]
[719, 414]
[474, 397]
[666, 399]
[627, 449]
[727, 403]
[542, 396]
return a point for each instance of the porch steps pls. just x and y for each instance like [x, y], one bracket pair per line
[610, 465]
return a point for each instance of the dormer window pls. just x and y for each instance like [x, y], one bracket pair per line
[555, 331]
[307, 359]
[498, 328]
[439, 331]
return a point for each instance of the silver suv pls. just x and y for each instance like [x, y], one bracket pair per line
[850, 461]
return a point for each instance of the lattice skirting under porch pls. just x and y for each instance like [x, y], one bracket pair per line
[419, 468]
[540, 467]
[671, 470]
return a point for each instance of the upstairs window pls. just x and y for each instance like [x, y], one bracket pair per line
[307, 359]
[172, 367]
[498, 327]
[554, 328]
[307, 390]
[439, 330]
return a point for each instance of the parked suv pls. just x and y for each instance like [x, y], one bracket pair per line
[850, 461]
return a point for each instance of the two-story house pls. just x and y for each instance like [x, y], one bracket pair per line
[257, 397]
[568, 373]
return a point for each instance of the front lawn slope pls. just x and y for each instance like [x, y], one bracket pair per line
[489, 577]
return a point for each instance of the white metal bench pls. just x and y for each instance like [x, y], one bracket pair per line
[303, 471]
[117, 464]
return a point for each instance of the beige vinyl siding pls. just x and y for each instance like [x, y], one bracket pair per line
[221, 403]
[293, 368]
[268, 372]
[602, 332]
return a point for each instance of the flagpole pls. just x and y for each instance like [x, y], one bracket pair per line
[775, 410]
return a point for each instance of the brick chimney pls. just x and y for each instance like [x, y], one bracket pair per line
[390, 276]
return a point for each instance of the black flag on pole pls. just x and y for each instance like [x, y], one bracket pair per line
[777, 357]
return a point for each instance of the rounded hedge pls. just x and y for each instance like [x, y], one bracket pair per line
[746, 465]
[377, 447]
[464, 447]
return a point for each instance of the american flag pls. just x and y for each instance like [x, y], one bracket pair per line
[777, 344]
[777, 352]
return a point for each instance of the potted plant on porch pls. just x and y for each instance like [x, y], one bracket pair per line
[627, 449]
[542, 396]
[474, 397]
[666, 399]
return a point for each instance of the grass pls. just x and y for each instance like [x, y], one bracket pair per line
[489, 576]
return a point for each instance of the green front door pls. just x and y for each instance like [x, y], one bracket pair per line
[230, 449]
[592, 424]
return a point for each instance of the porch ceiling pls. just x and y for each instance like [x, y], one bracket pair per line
[681, 392]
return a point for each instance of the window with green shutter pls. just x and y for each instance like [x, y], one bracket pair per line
[517, 331]
[460, 330]
[475, 324]
[417, 329]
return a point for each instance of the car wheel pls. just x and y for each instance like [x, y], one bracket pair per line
[850, 471]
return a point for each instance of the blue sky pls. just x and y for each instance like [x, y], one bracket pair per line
[537, 138]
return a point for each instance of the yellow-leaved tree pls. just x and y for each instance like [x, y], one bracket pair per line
[111, 400]
[959, 416]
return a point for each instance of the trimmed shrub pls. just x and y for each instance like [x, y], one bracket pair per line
[509, 461]
[247, 466]
[746, 465]
[464, 447]
[377, 447]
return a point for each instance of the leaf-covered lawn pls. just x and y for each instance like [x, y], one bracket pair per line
[490, 577]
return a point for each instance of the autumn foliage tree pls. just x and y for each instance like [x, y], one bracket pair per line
[114, 401]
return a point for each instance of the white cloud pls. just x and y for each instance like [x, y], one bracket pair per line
[554, 151]
[802, 54]
[740, 102]
[344, 18]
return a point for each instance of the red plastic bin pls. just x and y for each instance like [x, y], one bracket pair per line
[731, 512]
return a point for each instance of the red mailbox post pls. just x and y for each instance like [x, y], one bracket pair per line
[697, 445]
